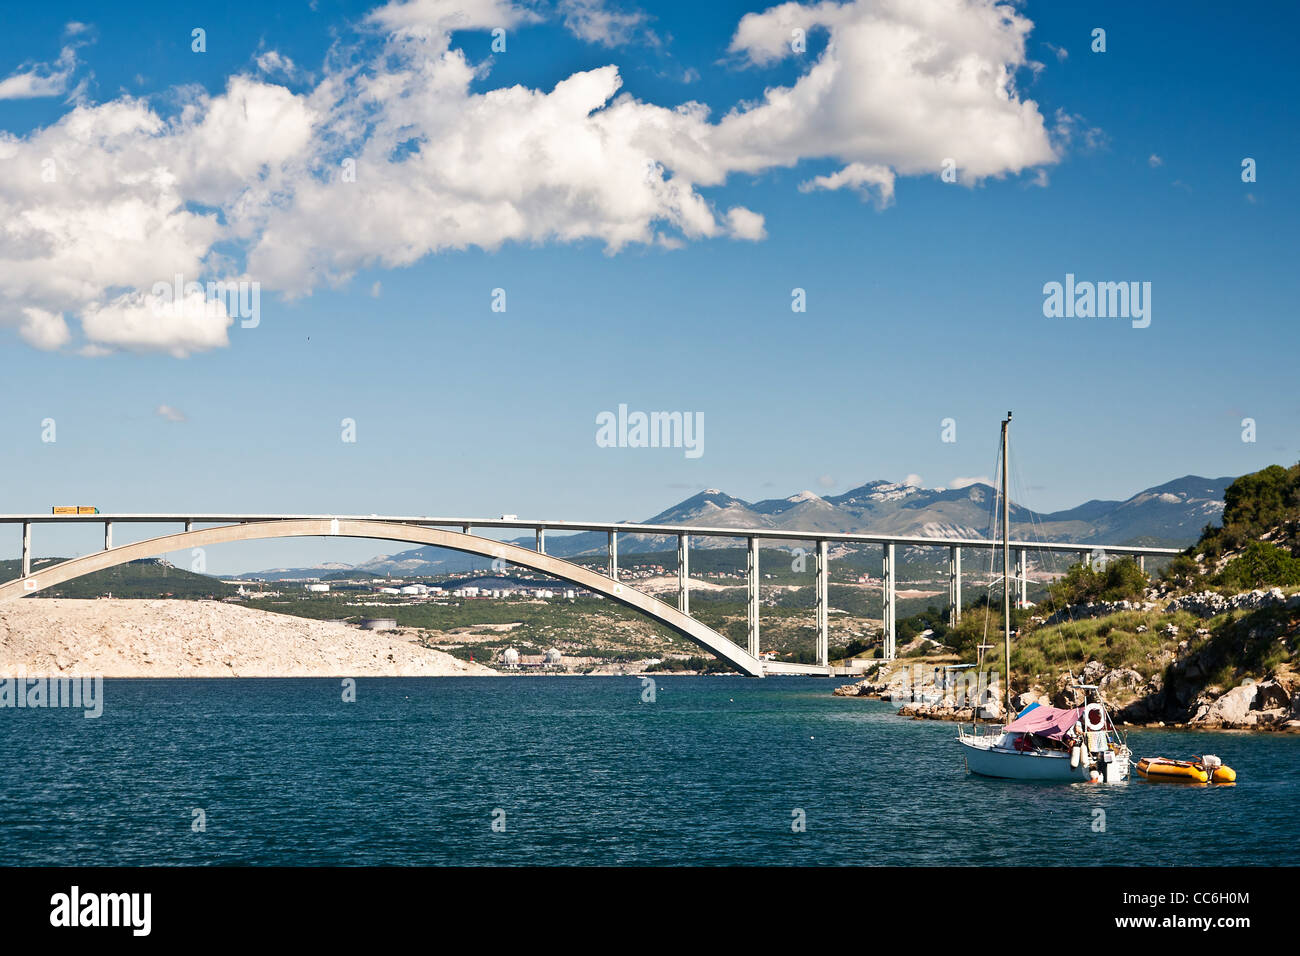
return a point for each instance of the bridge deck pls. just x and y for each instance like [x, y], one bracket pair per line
[767, 534]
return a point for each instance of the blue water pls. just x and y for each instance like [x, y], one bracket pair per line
[712, 772]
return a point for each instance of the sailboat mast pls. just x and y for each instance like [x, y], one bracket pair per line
[1006, 577]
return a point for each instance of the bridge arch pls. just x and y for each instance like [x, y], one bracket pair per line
[652, 607]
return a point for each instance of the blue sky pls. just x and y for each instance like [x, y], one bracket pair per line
[921, 306]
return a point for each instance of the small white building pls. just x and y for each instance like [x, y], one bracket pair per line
[318, 588]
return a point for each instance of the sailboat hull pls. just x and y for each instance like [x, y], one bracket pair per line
[988, 760]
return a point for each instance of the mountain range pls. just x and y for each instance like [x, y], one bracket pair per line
[1168, 515]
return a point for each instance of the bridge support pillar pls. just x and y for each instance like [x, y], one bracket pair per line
[1022, 583]
[189, 525]
[1142, 562]
[954, 586]
[108, 535]
[613, 555]
[27, 548]
[887, 622]
[541, 540]
[684, 573]
[467, 529]
[1085, 558]
[823, 598]
[751, 576]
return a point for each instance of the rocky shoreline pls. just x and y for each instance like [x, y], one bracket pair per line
[1189, 678]
[1269, 705]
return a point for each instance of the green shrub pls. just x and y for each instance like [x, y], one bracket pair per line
[1261, 564]
[1120, 580]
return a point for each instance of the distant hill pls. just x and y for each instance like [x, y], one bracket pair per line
[147, 578]
[1168, 515]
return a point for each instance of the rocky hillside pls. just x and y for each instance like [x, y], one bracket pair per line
[1202, 660]
[1214, 643]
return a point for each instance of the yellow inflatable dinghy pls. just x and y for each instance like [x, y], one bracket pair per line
[1204, 770]
[1158, 768]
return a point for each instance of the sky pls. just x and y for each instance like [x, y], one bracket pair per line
[826, 231]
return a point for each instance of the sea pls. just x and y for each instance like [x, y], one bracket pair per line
[534, 771]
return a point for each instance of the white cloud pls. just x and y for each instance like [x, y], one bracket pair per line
[584, 161]
[901, 83]
[862, 179]
[1154, 161]
[596, 22]
[257, 182]
[432, 18]
[743, 223]
[912, 481]
[1072, 130]
[34, 80]
[108, 201]
[142, 323]
[42, 329]
[169, 413]
[959, 482]
[275, 63]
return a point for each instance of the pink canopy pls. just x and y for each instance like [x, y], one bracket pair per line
[1050, 722]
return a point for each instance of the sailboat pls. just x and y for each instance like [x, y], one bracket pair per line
[1066, 744]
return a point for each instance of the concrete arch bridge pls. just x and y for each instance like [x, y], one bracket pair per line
[438, 532]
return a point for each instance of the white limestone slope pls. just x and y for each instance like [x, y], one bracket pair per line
[136, 638]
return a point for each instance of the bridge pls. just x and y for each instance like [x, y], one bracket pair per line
[457, 534]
